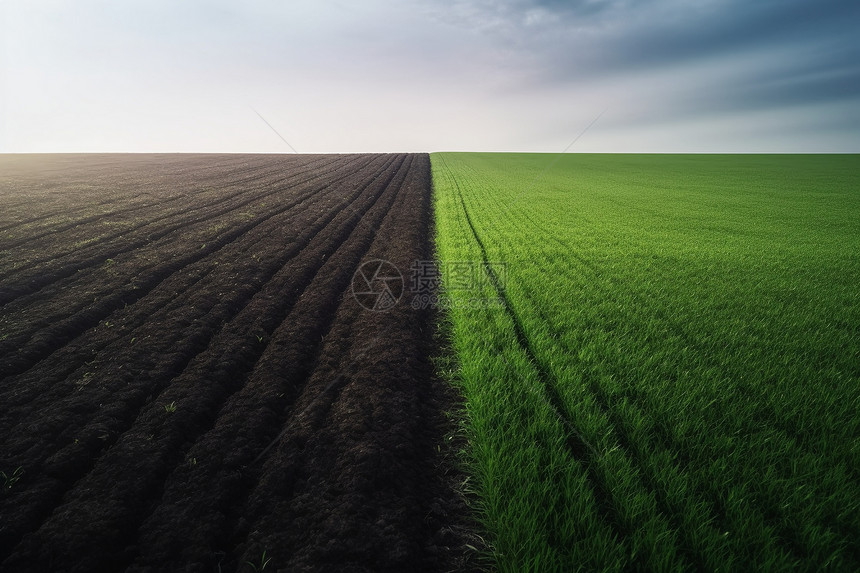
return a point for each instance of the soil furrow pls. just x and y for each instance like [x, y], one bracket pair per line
[207, 176]
[54, 303]
[64, 463]
[78, 260]
[251, 417]
[45, 392]
[189, 197]
[362, 443]
[92, 174]
[154, 431]
[124, 291]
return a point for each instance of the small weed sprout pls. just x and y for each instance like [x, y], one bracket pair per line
[170, 408]
[11, 479]
[261, 566]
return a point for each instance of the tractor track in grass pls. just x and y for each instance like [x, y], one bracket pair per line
[155, 402]
[578, 446]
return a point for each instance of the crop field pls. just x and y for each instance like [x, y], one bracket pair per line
[186, 382]
[668, 377]
[656, 362]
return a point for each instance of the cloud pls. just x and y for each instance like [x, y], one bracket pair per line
[572, 40]
[675, 60]
[427, 74]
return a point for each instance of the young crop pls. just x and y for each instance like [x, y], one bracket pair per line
[661, 388]
[261, 564]
[10, 479]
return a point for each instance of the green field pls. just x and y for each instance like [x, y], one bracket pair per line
[670, 379]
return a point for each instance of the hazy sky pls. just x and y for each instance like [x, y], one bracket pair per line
[428, 75]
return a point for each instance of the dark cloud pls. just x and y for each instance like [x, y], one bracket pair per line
[736, 28]
[613, 34]
[798, 87]
[766, 54]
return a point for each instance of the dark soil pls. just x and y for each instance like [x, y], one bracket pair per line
[187, 382]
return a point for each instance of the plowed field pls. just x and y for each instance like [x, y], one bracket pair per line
[186, 380]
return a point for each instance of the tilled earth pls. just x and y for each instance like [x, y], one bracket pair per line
[187, 381]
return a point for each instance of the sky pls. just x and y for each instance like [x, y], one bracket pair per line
[429, 75]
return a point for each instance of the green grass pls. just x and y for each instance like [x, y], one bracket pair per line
[673, 379]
